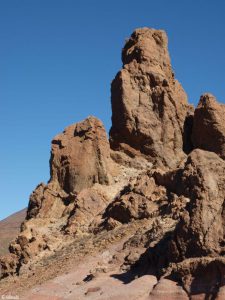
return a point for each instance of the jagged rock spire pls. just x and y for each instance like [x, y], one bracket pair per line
[149, 106]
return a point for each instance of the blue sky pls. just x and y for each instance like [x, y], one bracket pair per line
[58, 58]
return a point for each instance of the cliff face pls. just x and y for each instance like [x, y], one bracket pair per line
[162, 173]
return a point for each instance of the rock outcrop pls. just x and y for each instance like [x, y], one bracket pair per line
[9, 229]
[209, 125]
[140, 199]
[149, 107]
[81, 156]
[201, 231]
[157, 187]
[80, 160]
[193, 252]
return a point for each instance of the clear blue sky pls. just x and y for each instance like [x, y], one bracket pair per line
[57, 59]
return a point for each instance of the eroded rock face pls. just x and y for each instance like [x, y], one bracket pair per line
[89, 203]
[200, 232]
[202, 278]
[151, 187]
[80, 159]
[193, 251]
[209, 125]
[81, 156]
[47, 201]
[140, 199]
[149, 106]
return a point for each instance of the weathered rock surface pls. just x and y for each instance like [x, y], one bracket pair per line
[209, 125]
[89, 204]
[140, 199]
[81, 156]
[200, 232]
[149, 107]
[47, 201]
[192, 253]
[154, 202]
[80, 160]
[201, 278]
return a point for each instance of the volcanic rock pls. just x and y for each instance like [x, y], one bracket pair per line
[196, 246]
[209, 125]
[200, 232]
[201, 278]
[47, 201]
[151, 202]
[80, 156]
[89, 203]
[139, 199]
[149, 107]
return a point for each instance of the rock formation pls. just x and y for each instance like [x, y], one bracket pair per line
[157, 185]
[9, 229]
[195, 248]
[138, 200]
[80, 156]
[149, 106]
[209, 125]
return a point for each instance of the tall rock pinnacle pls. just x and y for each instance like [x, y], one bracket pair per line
[149, 201]
[149, 106]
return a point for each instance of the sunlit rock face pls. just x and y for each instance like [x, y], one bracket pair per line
[149, 106]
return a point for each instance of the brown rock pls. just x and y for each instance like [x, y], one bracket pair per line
[176, 229]
[88, 204]
[196, 247]
[201, 278]
[209, 125]
[81, 156]
[168, 289]
[140, 199]
[149, 107]
[47, 201]
[80, 159]
[201, 229]
[8, 265]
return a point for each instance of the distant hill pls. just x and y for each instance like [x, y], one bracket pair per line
[9, 229]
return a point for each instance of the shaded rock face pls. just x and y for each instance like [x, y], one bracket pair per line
[201, 278]
[149, 106]
[80, 156]
[193, 252]
[209, 125]
[201, 230]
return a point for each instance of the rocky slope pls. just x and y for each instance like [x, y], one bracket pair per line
[9, 229]
[145, 208]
